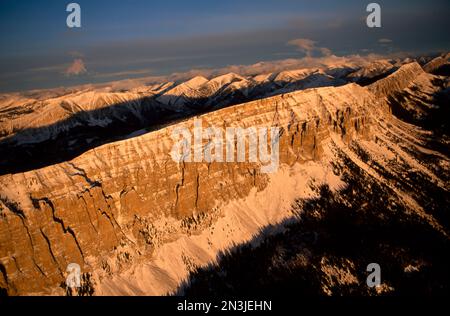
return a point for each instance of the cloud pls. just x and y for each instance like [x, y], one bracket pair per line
[309, 47]
[280, 65]
[265, 67]
[385, 41]
[303, 44]
[76, 68]
[325, 51]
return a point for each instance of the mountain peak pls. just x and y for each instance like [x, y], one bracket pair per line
[225, 79]
[195, 82]
[397, 81]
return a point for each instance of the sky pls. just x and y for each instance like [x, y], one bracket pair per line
[142, 38]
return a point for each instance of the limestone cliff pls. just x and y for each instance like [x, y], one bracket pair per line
[138, 222]
[112, 195]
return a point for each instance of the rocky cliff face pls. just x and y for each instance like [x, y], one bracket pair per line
[138, 222]
[415, 95]
[436, 64]
[47, 128]
[397, 81]
[111, 196]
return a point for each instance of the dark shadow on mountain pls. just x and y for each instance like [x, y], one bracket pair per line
[365, 81]
[434, 114]
[77, 134]
[443, 70]
[325, 249]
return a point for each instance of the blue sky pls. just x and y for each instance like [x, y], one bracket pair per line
[128, 39]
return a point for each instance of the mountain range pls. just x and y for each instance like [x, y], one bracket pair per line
[86, 177]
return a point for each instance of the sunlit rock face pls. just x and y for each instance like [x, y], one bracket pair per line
[139, 222]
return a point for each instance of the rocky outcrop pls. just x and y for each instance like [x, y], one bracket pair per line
[118, 200]
[436, 63]
[397, 81]
[415, 96]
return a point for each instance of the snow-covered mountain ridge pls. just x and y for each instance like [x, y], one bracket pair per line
[138, 222]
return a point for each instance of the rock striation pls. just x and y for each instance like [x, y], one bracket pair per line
[128, 204]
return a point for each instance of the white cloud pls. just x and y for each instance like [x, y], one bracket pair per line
[354, 61]
[325, 51]
[76, 68]
[280, 65]
[385, 41]
[309, 47]
[303, 44]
